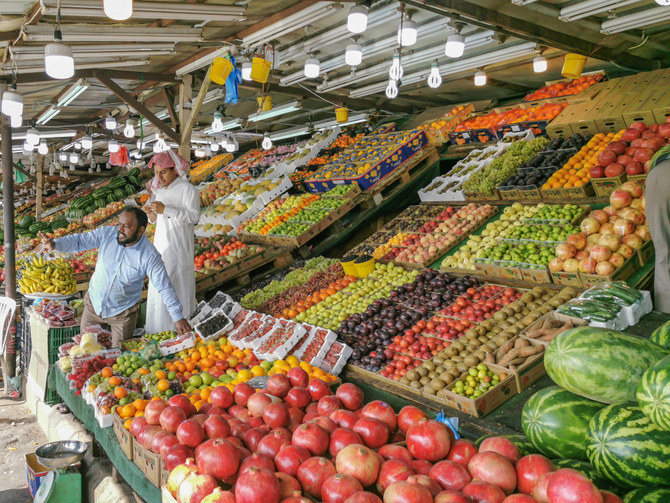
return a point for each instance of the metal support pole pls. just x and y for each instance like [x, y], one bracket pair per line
[8, 221]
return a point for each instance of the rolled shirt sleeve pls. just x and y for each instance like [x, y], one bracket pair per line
[160, 280]
[83, 241]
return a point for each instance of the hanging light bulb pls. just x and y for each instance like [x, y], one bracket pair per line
[16, 121]
[434, 79]
[480, 78]
[12, 103]
[74, 158]
[353, 55]
[27, 146]
[86, 142]
[396, 72]
[246, 70]
[32, 136]
[43, 148]
[267, 142]
[214, 147]
[62, 157]
[407, 33]
[58, 58]
[208, 151]
[232, 146]
[138, 155]
[113, 146]
[539, 64]
[224, 141]
[392, 90]
[312, 68]
[160, 145]
[110, 122]
[199, 152]
[129, 130]
[118, 10]
[455, 46]
[77, 145]
[357, 19]
[217, 125]
[141, 144]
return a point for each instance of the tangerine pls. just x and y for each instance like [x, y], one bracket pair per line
[120, 392]
[107, 372]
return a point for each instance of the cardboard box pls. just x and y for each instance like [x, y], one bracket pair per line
[165, 474]
[552, 315]
[623, 273]
[124, 437]
[508, 193]
[35, 471]
[138, 456]
[566, 278]
[153, 466]
[485, 404]
[536, 275]
[605, 186]
[531, 370]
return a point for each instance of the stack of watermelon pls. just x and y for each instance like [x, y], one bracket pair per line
[610, 417]
[29, 227]
[116, 190]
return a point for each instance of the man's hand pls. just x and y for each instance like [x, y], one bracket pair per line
[150, 213]
[156, 207]
[48, 243]
[183, 326]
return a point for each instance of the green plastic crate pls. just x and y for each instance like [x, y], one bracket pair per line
[51, 397]
[58, 337]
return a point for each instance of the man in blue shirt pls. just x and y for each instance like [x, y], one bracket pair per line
[125, 257]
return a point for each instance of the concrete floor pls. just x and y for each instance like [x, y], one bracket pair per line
[19, 435]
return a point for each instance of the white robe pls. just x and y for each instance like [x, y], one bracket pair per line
[174, 240]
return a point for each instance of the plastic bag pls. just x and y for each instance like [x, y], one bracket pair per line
[234, 80]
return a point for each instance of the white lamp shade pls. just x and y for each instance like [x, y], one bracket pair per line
[28, 147]
[33, 136]
[86, 142]
[62, 157]
[43, 148]
[357, 20]
[77, 145]
[267, 143]
[407, 34]
[246, 70]
[58, 61]
[353, 55]
[540, 64]
[110, 123]
[129, 130]
[455, 46]
[12, 103]
[118, 10]
[232, 147]
[480, 78]
[214, 147]
[199, 152]
[217, 125]
[16, 121]
[312, 68]
[74, 158]
[663, 2]
[113, 146]
[392, 90]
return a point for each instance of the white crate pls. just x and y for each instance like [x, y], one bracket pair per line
[187, 343]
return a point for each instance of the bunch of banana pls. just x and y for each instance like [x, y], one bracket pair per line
[40, 275]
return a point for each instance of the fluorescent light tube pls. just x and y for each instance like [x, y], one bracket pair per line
[66, 133]
[202, 61]
[116, 63]
[590, 8]
[276, 111]
[289, 133]
[72, 94]
[638, 20]
[50, 113]
[76, 33]
[226, 126]
[354, 119]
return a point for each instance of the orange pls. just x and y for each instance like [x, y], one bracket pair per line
[144, 371]
[194, 398]
[139, 413]
[204, 393]
[199, 404]
[114, 380]
[126, 424]
[258, 371]
[140, 404]
[107, 372]
[244, 375]
[292, 361]
[190, 366]
[163, 385]
[161, 374]
[127, 411]
[120, 392]
[206, 362]
[155, 398]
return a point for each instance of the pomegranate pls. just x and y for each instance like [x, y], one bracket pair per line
[614, 169]
[296, 417]
[610, 497]
[171, 418]
[288, 486]
[199, 418]
[176, 455]
[529, 469]
[393, 451]
[256, 461]
[137, 425]
[502, 446]
[451, 497]
[328, 404]
[213, 410]
[596, 171]
[617, 260]
[462, 451]
[271, 444]
[589, 225]
[577, 240]
[195, 487]
[410, 415]
[157, 440]
[216, 426]
[450, 475]
[257, 486]
[382, 412]
[493, 468]
[362, 497]
[276, 415]
[633, 241]
[393, 471]
[309, 417]
[483, 492]
[340, 438]
[178, 474]
[313, 473]
[519, 498]
[167, 442]
[190, 433]
[296, 499]
[565, 251]
[221, 397]
[606, 157]
[540, 490]
[339, 487]
[146, 437]
[183, 403]
[570, 486]
[257, 403]
[312, 437]
[298, 377]
[252, 437]
[298, 397]
[588, 265]
[344, 418]
[153, 411]
[218, 457]
[326, 423]
[350, 395]
[279, 385]
[238, 429]
[359, 462]
[219, 496]
[373, 432]
[428, 440]
[290, 457]
[421, 466]
[404, 492]
[318, 388]
[242, 393]
[620, 198]
[425, 481]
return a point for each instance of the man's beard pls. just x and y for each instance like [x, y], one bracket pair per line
[129, 239]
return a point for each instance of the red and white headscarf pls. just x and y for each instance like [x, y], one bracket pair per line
[167, 159]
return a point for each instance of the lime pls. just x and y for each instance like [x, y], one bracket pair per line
[196, 380]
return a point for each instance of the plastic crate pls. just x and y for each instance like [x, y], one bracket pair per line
[51, 397]
[58, 337]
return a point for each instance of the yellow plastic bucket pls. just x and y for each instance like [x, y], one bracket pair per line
[365, 268]
[342, 114]
[260, 70]
[264, 103]
[221, 68]
[573, 66]
[349, 268]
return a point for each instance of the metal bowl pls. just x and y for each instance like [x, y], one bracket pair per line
[61, 454]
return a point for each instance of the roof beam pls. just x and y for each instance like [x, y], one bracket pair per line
[39, 77]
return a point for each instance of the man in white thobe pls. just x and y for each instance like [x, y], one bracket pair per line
[174, 206]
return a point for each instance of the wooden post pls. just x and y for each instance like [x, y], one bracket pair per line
[9, 357]
[185, 96]
[39, 187]
[187, 128]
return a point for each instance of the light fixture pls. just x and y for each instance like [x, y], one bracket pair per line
[214, 147]
[43, 148]
[396, 72]
[217, 125]
[118, 10]
[312, 68]
[638, 19]
[224, 141]
[199, 152]
[455, 46]
[58, 59]
[77, 145]
[392, 90]
[208, 151]
[72, 94]
[246, 70]
[480, 78]
[407, 33]
[590, 8]
[160, 145]
[291, 106]
[663, 2]
[267, 142]
[110, 122]
[86, 142]
[232, 146]
[12, 102]
[62, 157]
[353, 55]
[27, 146]
[137, 155]
[288, 24]
[16, 121]
[47, 115]
[113, 146]
[434, 79]
[539, 64]
[33, 136]
[357, 19]
[290, 133]
[232, 124]
[141, 144]
[129, 130]
[74, 158]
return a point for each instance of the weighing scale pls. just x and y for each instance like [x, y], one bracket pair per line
[63, 483]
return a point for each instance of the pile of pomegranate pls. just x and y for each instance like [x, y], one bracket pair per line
[297, 440]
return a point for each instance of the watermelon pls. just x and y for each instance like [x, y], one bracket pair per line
[555, 421]
[648, 495]
[653, 393]
[626, 447]
[587, 469]
[661, 335]
[603, 365]
[521, 442]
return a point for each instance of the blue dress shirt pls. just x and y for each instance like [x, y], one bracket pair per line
[116, 284]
